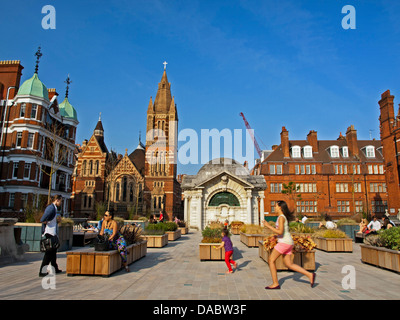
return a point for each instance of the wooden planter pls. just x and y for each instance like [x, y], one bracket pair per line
[102, 263]
[207, 251]
[156, 241]
[303, 259]
[184, 230]
[334, 244]
[380, 257]
[235, 229]
[173, 235]
[251, 240]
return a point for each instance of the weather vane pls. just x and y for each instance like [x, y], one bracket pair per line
[38, 55]
[68, 82]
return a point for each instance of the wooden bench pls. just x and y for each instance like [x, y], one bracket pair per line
[102, 263]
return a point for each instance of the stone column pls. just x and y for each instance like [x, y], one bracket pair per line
[200, 210]
[261, 209]
[185, 209]
[249, 204]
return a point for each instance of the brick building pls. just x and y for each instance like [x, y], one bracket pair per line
[37, 141]
[146, 183]
[339, 177]
[390, 137]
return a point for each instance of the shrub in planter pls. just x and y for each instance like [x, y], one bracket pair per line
[346, 221]
[212, 235]
[132, 234]
[255, 229]
[169, 226]
[390, 238]
[157, 227]
[330, 233]
[181, 224]
[302, 243]
[66, 222]
[299, 227]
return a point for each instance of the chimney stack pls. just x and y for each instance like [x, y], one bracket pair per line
[351, 137]
[313, 140]
[285, 142]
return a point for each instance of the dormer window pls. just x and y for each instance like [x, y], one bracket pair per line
[296, 152]
[334, 151]
[307, 152]
[345, 152]
[370, 152]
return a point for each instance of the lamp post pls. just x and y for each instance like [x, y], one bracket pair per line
[2, 129]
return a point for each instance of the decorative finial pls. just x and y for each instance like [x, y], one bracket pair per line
[68, 82]
[140, 135]
[100, 116]
[38, 55]
[165, 65]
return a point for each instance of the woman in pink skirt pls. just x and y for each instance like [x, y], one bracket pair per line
[284, 246]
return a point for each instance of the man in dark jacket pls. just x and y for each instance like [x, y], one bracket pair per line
[50, 231]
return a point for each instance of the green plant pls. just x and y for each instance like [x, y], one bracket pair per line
[209, 232]
[211, 240]
[299, 227]
[66, 222]
[101, 208]
[373, 240]
[119, 221]
[170, 226]
[346, 221]
[330, 233]
[32, 214]
[156, 232]
[255, 229]
[390, 238]
[131, 234]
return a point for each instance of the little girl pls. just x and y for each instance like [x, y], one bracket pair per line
[227, 243]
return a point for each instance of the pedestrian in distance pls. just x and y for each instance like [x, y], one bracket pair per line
[284, 246]
[227, 244]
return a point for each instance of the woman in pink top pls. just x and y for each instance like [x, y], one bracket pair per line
[284, 245]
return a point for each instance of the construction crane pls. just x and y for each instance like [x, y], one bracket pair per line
[251, 134]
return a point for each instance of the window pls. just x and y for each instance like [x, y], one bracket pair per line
[306, 206]
[313, 171]
[377, 187]
[381, 169]
[343, 206]
[379, 206]
[370, 169]
[30, 141]
[22, 110]
[296, 152]
[356, 169]
[271, 169]
[275, 187]
[84, 168]
[370, 152]
[357, 187]
[11, 200]
[376, 169]
[278, 169]
[297, 169]
[97, 167]
[306, 187]
[19, 139]
[342, 187]
[345, 152]
[272, 206]
[27, 170]
[33, 111]
[15, 170]
[359, 206]
[24, 200]
[334, 151]
[307, 152]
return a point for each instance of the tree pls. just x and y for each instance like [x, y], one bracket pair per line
[292, 191]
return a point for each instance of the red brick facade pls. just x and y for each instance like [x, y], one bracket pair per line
[390, 137]
[339, 177]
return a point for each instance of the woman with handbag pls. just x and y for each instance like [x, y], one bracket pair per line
[50, 225]
[116, 240]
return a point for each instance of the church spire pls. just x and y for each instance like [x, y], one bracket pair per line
[99, 131]
[163, 98]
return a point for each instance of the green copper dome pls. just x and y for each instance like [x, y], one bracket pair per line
[67, 110]
[34, 87]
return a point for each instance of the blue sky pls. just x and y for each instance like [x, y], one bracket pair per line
[282, 63]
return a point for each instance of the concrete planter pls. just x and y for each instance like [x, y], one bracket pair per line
[380, 257]
[173, 235]
[66, 237]
[10, 251]
[334, 244]
[31, 234]
[184, 230]
[208, 252]
[303, 259]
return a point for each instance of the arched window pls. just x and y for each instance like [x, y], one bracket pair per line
[90, 167]
[224, 198]
[307, 152]
[117, 192]
[131, 192]
[296, 152]
[97, 167]
[84, 168]
[124, 189]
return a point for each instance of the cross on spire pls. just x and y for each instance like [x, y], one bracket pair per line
[38, 55]
[68, 82]
[165, 65]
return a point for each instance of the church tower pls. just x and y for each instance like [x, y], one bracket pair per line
[162, 190]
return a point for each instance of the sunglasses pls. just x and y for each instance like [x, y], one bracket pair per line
[106, 215]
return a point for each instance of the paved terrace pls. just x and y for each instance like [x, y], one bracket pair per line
[176, 273]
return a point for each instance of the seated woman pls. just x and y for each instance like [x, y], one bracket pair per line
[363, 226]
[116, 240]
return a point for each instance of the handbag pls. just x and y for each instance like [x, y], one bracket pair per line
[101, 243]
[51, 243]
